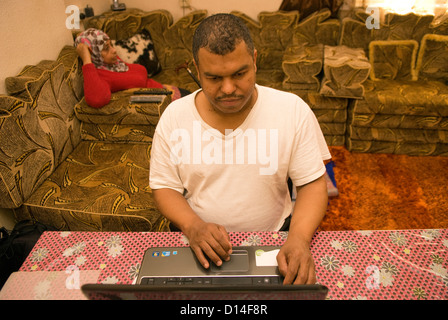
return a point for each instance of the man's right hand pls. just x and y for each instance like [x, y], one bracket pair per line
[209, 240]
[206, 239]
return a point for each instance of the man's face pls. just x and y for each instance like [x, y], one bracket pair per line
[228, 81]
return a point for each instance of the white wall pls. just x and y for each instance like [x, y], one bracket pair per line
[31, 31]
[249, 7]
[34, 30]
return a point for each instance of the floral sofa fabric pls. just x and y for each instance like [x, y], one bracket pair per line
[65, 164]
[79, 168]
[405, 106]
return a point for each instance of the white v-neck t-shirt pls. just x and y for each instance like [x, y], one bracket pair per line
[239, 179]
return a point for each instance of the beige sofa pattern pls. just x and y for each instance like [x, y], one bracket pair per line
[78, 168]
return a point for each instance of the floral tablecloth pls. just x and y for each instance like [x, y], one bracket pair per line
[360, 265]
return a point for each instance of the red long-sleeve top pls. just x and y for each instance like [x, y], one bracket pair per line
[99, 83]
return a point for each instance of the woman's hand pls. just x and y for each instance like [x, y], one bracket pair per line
[83, 52]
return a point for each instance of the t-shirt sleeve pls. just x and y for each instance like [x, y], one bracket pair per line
[309, 150]
[163, 171]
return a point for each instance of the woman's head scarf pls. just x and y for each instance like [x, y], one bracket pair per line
[96, 39]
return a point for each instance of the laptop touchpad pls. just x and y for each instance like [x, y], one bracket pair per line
[239, 262]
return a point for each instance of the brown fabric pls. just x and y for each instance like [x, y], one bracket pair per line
[307, 7]
[393, 60]
[318, 28]
[432, 61]
[39, 132]
[345, 70]
[387, 192]
[302, 66]
[401, 117]
[411, 26]
[100, 186]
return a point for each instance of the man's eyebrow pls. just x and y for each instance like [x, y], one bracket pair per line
[243, 68]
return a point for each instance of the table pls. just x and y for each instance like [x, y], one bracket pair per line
[354, 265]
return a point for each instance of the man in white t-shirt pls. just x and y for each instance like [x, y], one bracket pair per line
[221, 157]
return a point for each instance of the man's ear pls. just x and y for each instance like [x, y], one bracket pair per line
[255, 60]
[197, 70]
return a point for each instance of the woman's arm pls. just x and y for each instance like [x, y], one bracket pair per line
[96, 91]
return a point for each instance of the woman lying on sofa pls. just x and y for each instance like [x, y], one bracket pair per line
[104, 72]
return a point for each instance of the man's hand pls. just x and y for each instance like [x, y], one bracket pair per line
[205, 238]
[296, 263]
[209, 239]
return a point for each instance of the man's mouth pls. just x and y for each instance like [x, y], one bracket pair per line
[229, 99]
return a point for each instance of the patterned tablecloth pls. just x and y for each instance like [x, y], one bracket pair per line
[399, 264]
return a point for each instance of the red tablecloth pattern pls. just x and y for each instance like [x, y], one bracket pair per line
[359, 265]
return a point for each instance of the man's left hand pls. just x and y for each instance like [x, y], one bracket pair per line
[296, 263]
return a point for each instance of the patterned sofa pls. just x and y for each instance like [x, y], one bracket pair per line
[78, 168]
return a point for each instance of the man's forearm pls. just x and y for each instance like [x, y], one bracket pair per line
[175, 208]
[206, 239]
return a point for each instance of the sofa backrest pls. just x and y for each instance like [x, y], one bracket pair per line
[355, 34]
[399, 43]
[38, 127]
[172, 42]
[273, 33]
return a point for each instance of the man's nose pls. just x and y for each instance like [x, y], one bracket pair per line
[228, 86]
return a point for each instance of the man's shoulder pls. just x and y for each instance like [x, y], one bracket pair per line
[272, 92]
[280, 97]
[179, 106]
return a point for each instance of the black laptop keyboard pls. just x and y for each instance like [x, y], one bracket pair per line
[211, 281]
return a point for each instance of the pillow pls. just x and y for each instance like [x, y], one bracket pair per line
[393, 59]
[139, 49]
[432, 63]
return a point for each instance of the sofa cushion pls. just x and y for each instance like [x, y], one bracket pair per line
[120, 120]
[345, 70]
[302, 66]
[100, 186]
[73, 70]
[317, 28]
[35, 136]
[401, 98]
[401, 117]
[393, 26]
[139, 49]
[120, 110]
[393, 59]
[28, 83]
[433, 58]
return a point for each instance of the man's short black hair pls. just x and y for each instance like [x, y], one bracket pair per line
[220, 34]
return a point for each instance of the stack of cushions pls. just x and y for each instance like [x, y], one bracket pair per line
[405, 108]
[303, 63]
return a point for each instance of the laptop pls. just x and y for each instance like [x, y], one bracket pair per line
[175, 273]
